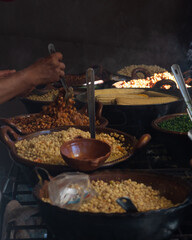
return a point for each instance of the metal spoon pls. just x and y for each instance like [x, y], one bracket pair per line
[90, 78]
[180, 80]
[68, 91]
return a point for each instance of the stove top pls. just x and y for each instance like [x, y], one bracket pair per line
[25, 221]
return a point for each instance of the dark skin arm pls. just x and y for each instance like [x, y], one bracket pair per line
[43, 71]
[5, 73]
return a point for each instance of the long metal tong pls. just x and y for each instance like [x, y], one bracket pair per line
[90, 78]
[68, 91]
[180, 80]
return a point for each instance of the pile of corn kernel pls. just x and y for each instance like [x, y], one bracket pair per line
[46, 148]
[48, 97]
[144, 197]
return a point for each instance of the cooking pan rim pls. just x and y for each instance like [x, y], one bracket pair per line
[180, 99]
[54, 167]
[186, 202]
[155, 122]
[103, 122]
[9, 122]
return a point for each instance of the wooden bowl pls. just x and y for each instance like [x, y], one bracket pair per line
[85, 154]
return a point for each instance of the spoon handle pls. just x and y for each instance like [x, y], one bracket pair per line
[180, 80]
[51, 49]
[127, 204]
[90, 78]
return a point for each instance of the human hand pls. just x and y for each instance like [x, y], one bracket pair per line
[46, 70]
[7, 72]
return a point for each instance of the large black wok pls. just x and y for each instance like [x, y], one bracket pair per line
[156, 224]
[137, 118]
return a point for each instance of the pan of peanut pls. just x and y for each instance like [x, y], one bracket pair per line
[162, 202]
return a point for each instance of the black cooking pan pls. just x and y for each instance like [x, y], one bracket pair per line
[156, 224]
[109, 78]
[137, 118]
[10, 137]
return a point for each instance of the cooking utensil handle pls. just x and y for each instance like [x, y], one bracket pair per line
[127, 204]
[51, 49]
[140, 70]
[180, 80]
[118, 77]
[4, 121]
[90, 78]
[98, 109]
[163, 82]
[144, 139]
[42, 174]
[5, 135]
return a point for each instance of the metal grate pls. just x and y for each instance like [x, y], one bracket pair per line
[155, 157]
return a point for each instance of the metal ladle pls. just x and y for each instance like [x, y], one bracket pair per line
[180, 81]
[90, 78]
[185, 93]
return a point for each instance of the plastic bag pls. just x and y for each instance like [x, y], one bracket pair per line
[69, 190]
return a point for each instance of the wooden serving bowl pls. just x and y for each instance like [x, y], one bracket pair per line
[84, 154]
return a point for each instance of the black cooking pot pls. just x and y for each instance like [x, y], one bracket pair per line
[137, 118]
[155, 224]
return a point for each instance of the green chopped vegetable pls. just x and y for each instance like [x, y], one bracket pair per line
[177, 124]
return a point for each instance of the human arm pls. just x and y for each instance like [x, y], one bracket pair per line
[43, 71]
[5, 73]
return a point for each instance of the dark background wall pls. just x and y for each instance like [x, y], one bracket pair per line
[114, 33]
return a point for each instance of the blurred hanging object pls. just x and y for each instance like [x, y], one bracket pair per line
[188, 74]
[189, 56]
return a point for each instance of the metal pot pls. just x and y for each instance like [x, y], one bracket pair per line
[155, 224]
